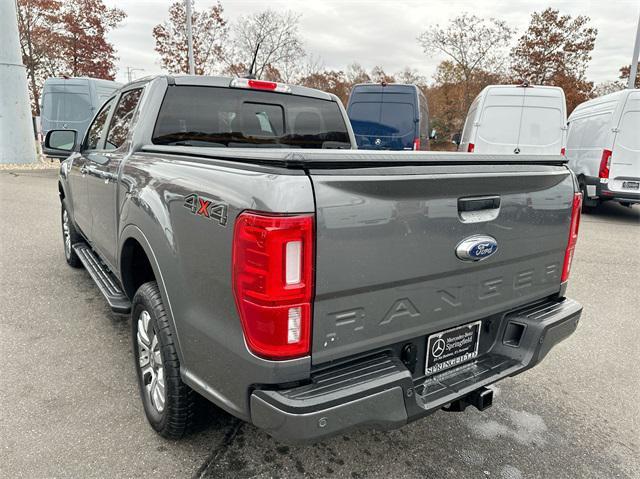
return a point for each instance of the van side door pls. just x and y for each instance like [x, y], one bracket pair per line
[103, 179]
[80, 169]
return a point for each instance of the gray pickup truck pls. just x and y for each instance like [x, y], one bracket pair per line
[297, 283]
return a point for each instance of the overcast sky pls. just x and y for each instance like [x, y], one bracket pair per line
[383, 32]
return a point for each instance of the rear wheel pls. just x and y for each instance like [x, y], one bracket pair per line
[69, 237]
[172, 408]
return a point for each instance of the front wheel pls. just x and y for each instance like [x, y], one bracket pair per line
[69, 237]
[172, 408]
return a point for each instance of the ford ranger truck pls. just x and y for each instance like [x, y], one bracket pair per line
[298, 283]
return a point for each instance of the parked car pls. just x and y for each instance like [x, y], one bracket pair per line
[603, 148]
[522, 119]
[71, 103]
[224, 216]
[389, 116]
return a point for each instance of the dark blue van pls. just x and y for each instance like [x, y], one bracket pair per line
[389, 116]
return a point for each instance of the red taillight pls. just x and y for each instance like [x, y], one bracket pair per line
[573, 236]
[605, 163]
[416, 144]
[273, 282]
[262, 85]
[562, 151]
[470, 148]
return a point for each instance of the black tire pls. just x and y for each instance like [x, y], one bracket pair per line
[69, 237]
[183, 410]
[588, 205]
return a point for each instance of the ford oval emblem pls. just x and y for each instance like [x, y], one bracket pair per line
[476, 248]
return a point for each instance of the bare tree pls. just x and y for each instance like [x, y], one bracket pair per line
[473, 44]
[274, 40]
[357, 74]
[209, 35]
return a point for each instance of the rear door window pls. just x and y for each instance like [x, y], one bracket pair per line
[628, 136]
[234, 118]
[499, 124]
[121, 120]
[540, 126]
[399, 118]
[95, 133]
[365, 118]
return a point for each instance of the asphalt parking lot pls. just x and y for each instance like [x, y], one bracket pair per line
[70, 406]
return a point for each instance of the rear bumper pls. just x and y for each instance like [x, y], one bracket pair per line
[603, 192]
[380, 391]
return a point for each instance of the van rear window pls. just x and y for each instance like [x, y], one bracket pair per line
[382, 119]
[228, 117]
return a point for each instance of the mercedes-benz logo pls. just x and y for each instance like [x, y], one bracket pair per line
[517, 150]
[378, 141]
[438, 348]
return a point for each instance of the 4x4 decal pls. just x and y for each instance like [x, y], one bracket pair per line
[205, 207]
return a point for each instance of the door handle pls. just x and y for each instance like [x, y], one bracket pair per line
[478, 203]
[478, 209]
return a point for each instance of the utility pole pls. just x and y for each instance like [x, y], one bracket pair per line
[192, 70]
[633, 71]
[130, 71]
[17, 140]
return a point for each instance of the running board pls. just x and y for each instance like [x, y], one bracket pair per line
[104, 279]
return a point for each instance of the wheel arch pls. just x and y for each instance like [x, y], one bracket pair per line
[134, 244]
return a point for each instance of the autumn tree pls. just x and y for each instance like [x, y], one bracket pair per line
[331, 81]
[65, 38]
[39, 40]
[471, 44]
[553, 44]
[556, 50]
[625, 71]
[273, 38]
[85, 48]
[209, 34]
[446, 97]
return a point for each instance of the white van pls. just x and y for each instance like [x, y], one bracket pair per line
[603, 148]
[516, 119]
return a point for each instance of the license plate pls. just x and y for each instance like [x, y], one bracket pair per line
[449, 348]
[631, 185]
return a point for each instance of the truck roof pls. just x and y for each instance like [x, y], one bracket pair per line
[225, 81]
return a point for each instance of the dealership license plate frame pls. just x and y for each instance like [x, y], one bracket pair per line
[461, 355]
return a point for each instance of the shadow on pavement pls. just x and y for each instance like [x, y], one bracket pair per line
[614, 212]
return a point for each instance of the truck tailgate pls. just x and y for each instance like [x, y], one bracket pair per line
[386, 264]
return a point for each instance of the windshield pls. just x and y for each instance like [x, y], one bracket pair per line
[228, 117]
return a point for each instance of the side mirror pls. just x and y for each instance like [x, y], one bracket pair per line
[433, 135]
[456, 138]
[60, 141]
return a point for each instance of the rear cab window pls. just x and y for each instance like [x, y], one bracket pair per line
[96, 130]
[121, 119]
[238, 118]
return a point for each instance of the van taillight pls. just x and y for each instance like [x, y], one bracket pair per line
[416, 144]
[562, 151]
[273, 282]
[573, 236]
[470, 148]
[605, 163]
